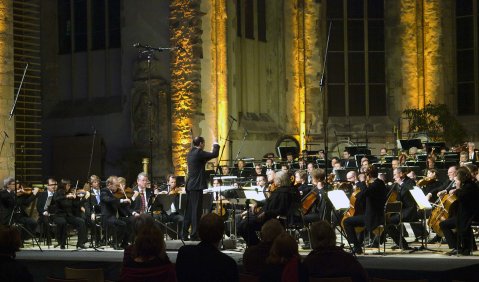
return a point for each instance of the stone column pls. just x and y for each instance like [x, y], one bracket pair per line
[7, 144]
[185, 30]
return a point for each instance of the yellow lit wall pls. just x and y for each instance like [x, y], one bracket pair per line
[299, 69]
[219, 70]
[421, 51]
[183, 89]
[7, 156]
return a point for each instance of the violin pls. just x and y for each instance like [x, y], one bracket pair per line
[27, 191]
[125, 193]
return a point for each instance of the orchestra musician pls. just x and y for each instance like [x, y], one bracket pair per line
[22, 200]
[301, 182]
[471, 152]
[141, 197]
[225, 170]
[240, 171]
[92, 207]
[373, 196]
[409, 209]
[258, 170]
[171, 213]
[68, 207]
[347, 161]
[467, 192]
[45, 207]
[110, 209]
[430, 183]
[320, 209]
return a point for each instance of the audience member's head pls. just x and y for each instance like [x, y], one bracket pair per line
[142, 221]
[270, 230]
[149, 244]
[211, 228]
[284, 248]
[10, 240]
[322, 235]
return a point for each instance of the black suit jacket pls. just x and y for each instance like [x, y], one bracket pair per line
[409, 207]
[348, 163]
[109, 204]
[42, 199]
[7, 202]
[374, 196]
[197, 158]
[204, 262]
[136, 205]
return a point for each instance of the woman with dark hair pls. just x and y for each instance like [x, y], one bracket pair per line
[284, 262]
[10, 269]
[148, 260]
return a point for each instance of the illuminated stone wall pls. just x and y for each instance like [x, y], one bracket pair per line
[7, 156]
[185, 29]
[419, 55]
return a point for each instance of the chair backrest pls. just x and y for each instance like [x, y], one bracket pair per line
[54, 279]
[393, 207]
[330, 279]
[397, 280]
[91, 275]
[245, 277]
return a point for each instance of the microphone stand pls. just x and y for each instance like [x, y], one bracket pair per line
[147, 52]
[91, 154]
[223, 148]
[242, 143]
[325, 100]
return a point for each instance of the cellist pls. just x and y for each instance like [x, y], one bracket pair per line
[315, 206]
[373, 194]
[467, 192]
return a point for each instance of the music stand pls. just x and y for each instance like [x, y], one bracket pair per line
[407, 144]
[340, 202]
[423, 205]
[165, 200]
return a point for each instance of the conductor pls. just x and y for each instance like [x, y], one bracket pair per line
[196, 183]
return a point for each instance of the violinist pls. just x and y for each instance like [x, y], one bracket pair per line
[372, 196]
[140, 199]
[170, 213]
[430, 183]
[67, 206]
[110, 207]
[9, 201]
[467, 192]
[447, 186]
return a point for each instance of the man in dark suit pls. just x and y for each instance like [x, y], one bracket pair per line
[196, 183]
[23, 201]
[44, 207]
[205, 262]
[409, 208]
[141, 195]
[347, 161]
[372, 198]
[110, 209]
[93, 209]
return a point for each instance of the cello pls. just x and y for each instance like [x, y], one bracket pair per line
[446, 208]
[353, 210]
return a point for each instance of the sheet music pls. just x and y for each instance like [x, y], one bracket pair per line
[254, 195]
[420, 198]
[218, 189]
[339, 199]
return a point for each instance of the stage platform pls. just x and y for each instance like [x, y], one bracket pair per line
[394, 264]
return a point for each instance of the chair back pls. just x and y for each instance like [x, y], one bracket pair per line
[91, 275]
[246, 277]
[54, 279]
[330, 279]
